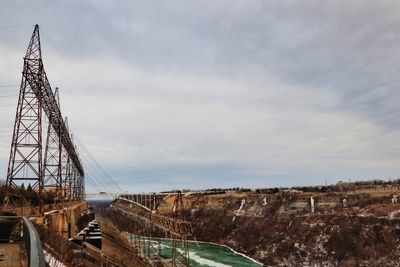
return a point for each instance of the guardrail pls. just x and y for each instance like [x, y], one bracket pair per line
[30, 237]
[33, 244]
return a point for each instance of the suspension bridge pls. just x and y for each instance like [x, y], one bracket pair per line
[45, 196]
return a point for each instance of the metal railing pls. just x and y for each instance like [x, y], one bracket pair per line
[33, 244]
[30, 238]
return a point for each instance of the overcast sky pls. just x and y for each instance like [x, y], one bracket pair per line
[200, 94]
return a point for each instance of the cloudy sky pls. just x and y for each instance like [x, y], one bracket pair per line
[200, 94]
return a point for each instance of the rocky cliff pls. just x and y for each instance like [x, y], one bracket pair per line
[283, 229]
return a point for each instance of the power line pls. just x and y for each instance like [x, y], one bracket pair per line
[89, 163]
[98, 167]
[94, 183]
[104, 182]
[92, 163]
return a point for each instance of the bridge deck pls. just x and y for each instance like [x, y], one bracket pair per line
[13, 255]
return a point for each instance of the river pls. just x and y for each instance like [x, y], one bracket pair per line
[204, 254]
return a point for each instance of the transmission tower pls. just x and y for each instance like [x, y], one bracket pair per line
[52, 161]
[25, 162]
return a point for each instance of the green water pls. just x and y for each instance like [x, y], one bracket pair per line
[219, 256]
[203, 254]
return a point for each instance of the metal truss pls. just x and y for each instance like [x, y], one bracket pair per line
[175, 228]
[147, 201]
[26, 161]
[52, 162]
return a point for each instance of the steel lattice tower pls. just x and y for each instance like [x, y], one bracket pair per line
[66, 172]
[25, 163]
[52, 160]
[61, 168]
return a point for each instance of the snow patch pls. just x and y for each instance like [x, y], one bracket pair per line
[51, 261]
[207, 262]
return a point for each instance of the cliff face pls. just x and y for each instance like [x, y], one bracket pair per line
[281, 230]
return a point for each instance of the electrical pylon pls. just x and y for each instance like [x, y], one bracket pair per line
[66, 171]
[52, 161]
[25, 162]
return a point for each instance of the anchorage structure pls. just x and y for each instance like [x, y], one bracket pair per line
[60, 174]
